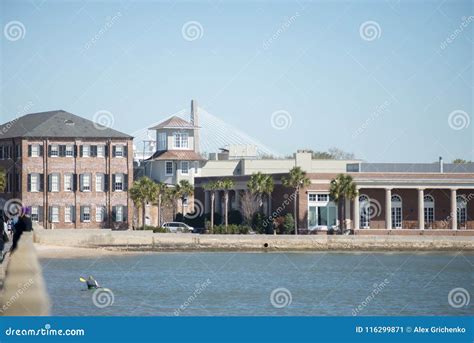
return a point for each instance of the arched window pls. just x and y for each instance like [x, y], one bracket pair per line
[429, 208]
[461, 204]
[396, 211]
[364, 211]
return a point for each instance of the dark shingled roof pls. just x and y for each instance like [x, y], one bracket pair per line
[56, 124]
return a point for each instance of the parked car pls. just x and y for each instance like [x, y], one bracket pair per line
[178, 227]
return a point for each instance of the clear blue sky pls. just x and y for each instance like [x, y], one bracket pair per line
[386, 99]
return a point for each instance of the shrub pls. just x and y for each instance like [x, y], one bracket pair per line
[231, 229]
[284, 225]
[160, 230]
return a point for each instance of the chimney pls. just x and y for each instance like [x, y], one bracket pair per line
[195, 121]
[441, 164]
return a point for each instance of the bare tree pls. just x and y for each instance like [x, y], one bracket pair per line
[249, 206]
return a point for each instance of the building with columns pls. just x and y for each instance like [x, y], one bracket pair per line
[392, 198]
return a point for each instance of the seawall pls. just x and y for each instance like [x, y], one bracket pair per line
[149, 241]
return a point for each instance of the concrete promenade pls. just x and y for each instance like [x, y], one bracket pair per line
[149, 241]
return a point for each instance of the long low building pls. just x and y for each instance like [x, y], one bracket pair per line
[390, 195]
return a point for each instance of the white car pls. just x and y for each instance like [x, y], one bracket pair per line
[178, 227]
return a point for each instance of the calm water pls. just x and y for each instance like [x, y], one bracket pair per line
[242, 284]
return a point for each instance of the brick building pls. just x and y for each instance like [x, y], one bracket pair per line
[72, 172]
[407, 197]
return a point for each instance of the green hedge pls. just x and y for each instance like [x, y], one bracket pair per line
[231, 229]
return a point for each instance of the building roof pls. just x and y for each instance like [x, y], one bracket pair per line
[416, 167]
[185, 155]
[174, 123]
[56, 124]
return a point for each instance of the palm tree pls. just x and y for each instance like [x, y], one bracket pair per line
[296, 179]
[163, 191]
[2, 180]
[143, 191]
[260, 185]
[212, 187]
[183, 189]
[342, 188]
[226, 185]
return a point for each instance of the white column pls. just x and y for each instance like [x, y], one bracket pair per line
[421, 208]
[347, 215]
[388, 208]
[454, 210]
[356, 212]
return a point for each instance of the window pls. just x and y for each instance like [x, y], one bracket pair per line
[54, 214]
[54, 150]
[180, 140]
[100, 151]
[161, 140]
[85, 182]
[18, 151]
[119, 213]
[312, 197]
[34, 213]
[364, 211]
[54, 182]
[17, 182]
[9, 180]
[69, 151]
[428, 209]
[85, 214]
[119, 150]
[196, 167]
[461, 204]
[68, 182]
[185, 167]
[35, 150]
[318, 197]
[396, 212]
[118, 185]
[100, 214]
[35, 183]
[169, 168]
[85, 151]
[99, 182]
[67, 214]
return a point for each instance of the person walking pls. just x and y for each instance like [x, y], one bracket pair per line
[23, 224]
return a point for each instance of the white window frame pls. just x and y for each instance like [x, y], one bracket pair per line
[35, 150]
[117, 209]
[121, 182]
[55, 182]
[181, 140]
[89, 181]
[54, 216]
[35, 213]
[397, 203]
[119, 150]
[34, 184]
[364, 211]
[429, 209]
[187, 168]
[54, 150]
[100, 214]
[67, 214]
[69, 151]
[166, 168]
[99, 182]
[84, 220]
[101, 151]
[68, 182]
[86, 150]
